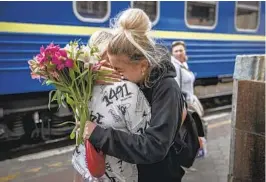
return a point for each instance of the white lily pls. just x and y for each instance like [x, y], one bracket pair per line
[85, 56]
[73, 48]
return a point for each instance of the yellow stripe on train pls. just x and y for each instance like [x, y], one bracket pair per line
[12, 27]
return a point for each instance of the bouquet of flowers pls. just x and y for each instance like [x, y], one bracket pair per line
[72, 70]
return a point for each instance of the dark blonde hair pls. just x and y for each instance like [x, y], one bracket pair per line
[101, 39]
[131, 38]
[176, 43]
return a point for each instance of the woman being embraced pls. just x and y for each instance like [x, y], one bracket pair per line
[120, 106]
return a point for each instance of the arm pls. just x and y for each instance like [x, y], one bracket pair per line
[177, 69]
[153, 145]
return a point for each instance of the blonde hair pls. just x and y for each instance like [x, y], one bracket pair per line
[100, 39]
[131, 29]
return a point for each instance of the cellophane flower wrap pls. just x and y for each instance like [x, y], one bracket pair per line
[72, 70]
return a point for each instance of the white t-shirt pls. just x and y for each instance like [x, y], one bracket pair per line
[187, 79]
[121, 106]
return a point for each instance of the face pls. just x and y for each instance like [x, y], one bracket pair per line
[134, 72]
[179, 53]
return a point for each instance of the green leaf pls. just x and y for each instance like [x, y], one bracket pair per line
[63, 100]
[75, 67]
[65, 123]
[58, 95]
[64, 104]
[54, 97]
[51, 99]
[78, 54]
[63, 89]
[72, 135]
[49, 82]
[69, 100]
[72, 74]
[83, 74]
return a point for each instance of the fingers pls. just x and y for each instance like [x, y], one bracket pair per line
[106, 63]
[109, 72]
[107, 75]
[108, 79]
[103, 67]
[115, 75]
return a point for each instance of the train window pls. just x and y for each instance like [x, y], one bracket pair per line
[247, 15]
[152, 8]
[201, 14]
[92, 11]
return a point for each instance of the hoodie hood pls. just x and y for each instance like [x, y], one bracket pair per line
[164, 70]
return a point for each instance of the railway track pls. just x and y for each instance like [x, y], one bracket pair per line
[14, 149]
[220, 108]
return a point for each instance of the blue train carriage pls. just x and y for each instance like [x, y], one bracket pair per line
[215, 32]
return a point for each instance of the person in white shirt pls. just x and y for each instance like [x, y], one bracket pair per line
[185, 78]
[122, 106]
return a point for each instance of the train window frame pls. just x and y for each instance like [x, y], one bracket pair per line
[158, 12]
[247, 30]
[202, 26]
[92, 20]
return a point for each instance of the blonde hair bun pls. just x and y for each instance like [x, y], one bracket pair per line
[136, 20]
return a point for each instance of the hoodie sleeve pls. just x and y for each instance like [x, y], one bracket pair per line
[153, 144]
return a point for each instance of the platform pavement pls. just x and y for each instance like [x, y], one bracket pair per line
[215, 166]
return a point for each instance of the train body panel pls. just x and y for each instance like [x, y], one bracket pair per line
[211, 51]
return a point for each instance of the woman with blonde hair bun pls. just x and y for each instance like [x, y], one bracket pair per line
[135, 55]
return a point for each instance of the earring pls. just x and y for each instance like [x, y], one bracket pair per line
[122, 76]
[142, 72]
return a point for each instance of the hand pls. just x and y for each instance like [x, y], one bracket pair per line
[107, 75]
[89, 127]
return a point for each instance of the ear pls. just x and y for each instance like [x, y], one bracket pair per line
[144, 64]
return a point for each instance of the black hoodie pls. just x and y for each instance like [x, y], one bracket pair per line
[150, 150]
